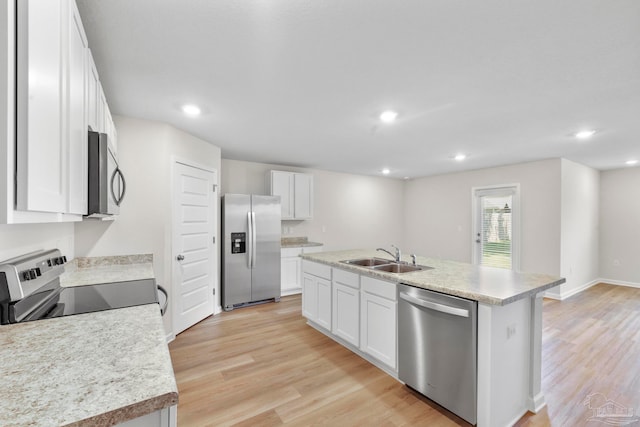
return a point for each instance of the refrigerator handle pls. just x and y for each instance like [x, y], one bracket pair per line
[249, 240]
[254, 235]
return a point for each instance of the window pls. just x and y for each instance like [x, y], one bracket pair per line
[495, 220]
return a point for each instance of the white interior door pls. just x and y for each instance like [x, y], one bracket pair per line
[195, 270]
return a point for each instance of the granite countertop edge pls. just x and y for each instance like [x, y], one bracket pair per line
[407, 279]
[300, 245]
[129, 412]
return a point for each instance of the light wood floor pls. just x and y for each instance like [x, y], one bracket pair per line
[263, 366]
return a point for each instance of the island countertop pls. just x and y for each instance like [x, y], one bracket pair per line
[90, 369]
[495, 286]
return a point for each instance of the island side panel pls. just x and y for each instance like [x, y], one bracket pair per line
[503, 362]
[536, 398]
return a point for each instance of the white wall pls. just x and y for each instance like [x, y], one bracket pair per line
[438, 213]
[350, 211]
[579, 238]
[145, 150]
[18, 239]
[620, 226]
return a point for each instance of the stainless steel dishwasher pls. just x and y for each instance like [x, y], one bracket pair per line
[437, 348]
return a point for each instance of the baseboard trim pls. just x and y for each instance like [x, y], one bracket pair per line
[517, 418]
[170, 337]
[619, 283]
[564, 295]
[537, 403]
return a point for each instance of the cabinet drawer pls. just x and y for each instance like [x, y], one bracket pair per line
[346, 278]
[316, 269]
[379, 287]
[290, 252]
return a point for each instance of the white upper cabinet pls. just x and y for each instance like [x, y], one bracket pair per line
[302, 196]
[98, 113]
[76, 113]
[282, 185]
[295, 191]
[58, 96]
[93, 94]
[41, 147]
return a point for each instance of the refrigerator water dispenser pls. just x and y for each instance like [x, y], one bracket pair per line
[238, 243]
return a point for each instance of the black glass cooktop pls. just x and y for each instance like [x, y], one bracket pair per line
[106, 296]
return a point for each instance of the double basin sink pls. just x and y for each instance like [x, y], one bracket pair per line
[380, 264]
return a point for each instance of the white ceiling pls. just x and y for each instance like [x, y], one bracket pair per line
[302, 82]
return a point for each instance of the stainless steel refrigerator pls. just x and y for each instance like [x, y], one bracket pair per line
[250, 249]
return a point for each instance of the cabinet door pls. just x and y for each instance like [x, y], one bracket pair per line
[282, 185]
[303, 196]
[75, 112]
[41, 151]
[290, 275]
[309, 297]
[324, 303]
[378, 328]
[93, 93]
[109, 127]
[346, 313]
[101, 106]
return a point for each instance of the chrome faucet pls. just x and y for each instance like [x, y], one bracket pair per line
[397, 257]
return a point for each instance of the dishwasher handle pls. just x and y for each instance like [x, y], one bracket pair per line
[434, 305]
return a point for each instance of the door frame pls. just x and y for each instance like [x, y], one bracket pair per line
[173, 252]
[515, 221]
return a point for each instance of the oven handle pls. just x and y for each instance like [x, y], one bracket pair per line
[163, 309]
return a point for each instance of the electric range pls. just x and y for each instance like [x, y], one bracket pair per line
[30, 290]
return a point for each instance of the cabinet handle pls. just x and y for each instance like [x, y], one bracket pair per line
[180, 257]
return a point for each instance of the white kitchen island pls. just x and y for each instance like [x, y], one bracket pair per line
[338, 298]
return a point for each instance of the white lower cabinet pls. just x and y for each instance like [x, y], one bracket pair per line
[316, 293]
[378, 328]
[290, 271]
[346, 306]
[291, 268]
[324, 303]
[361, 312]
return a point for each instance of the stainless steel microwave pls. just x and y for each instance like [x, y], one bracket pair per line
[107, 185]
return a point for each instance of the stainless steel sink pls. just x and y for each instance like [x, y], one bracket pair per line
[398, 268]
[386, 265]
[367, 262]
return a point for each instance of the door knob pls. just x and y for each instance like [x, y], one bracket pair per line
[180, 257]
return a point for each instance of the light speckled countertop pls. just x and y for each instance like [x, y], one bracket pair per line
[94, 369]
[488, 285]
[94, 270]
[297, 242]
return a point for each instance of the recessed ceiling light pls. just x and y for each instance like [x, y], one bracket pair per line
[406, 178]
[386, 171]
[631, 162]
[460, 157]
[584, 134]
[191, 110]
[388, 116]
